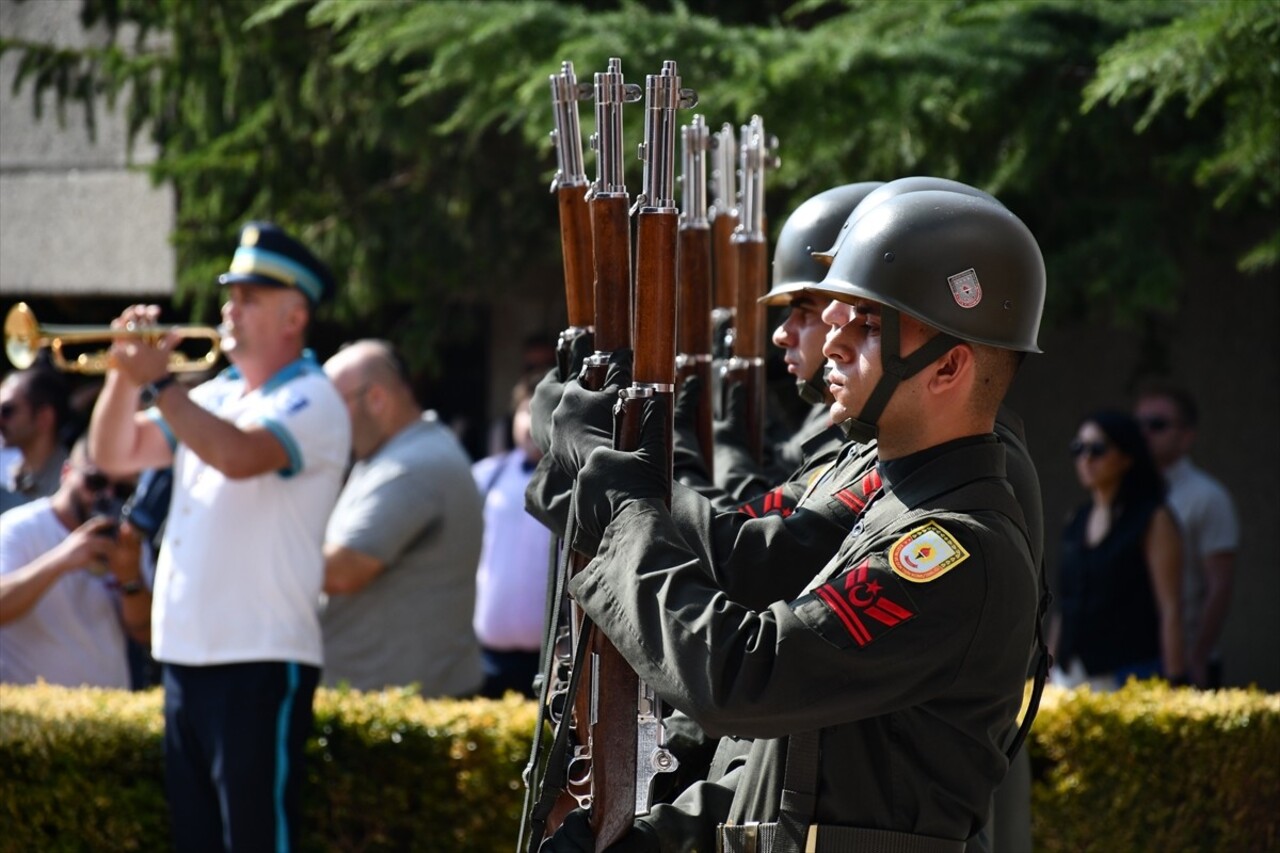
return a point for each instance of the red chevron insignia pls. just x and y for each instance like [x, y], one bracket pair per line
[858, 601]
[772, 501]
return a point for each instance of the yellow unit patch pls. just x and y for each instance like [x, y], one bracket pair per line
[926, 553]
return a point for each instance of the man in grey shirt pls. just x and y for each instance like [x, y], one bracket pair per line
[403, 540]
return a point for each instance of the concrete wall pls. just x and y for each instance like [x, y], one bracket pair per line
[77, 214]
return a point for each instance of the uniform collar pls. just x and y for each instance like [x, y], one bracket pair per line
[303, 364]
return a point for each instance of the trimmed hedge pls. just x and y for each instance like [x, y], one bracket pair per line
[83, 770]
[1145, 768]
[1152, 768]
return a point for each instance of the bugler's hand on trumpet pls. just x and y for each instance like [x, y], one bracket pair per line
[135, 329]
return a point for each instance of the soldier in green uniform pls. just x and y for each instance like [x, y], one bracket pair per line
[880, 698]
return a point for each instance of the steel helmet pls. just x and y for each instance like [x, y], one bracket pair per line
[810, 227]
[893, 189]
[958, 262]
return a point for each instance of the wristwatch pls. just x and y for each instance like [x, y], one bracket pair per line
[152, 390]
[132, 587]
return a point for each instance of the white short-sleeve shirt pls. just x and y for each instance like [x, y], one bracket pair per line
[241, 564]
[72, 636]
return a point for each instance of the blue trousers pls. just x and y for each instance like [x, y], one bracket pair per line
[233, 742]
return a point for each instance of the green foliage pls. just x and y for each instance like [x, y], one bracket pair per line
[83, 770]
[1220, 55]
[407, 141]
[1144, 768]
[1150, 768]
[393, 772]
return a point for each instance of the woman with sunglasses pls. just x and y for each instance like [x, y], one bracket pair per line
[1120, 571]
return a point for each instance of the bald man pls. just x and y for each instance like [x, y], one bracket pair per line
[402, 543]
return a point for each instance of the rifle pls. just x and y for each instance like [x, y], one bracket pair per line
[570, 187]
[654, 373]
[747, 364]
[724, 221]
[589, 692]
[693, 335]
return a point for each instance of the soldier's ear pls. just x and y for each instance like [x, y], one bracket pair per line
[954, 366]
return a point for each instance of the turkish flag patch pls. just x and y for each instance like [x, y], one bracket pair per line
[865, 604]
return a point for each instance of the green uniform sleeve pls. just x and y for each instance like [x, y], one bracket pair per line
[791, 666]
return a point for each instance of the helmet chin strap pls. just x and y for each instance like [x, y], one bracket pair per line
[814, 389]
[864, 428]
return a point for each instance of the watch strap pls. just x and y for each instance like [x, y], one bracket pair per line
[152, 390]
[132, 587]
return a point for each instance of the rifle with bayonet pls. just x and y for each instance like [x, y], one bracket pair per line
[591, 694]
[654, 342]
[747, 366]
[570, 187]
[694, 284]
[723, 215]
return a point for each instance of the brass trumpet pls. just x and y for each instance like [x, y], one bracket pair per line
[24, 338]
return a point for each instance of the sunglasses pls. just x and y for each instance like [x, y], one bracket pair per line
[97, 482]
[1092, 449]
[1154, 424]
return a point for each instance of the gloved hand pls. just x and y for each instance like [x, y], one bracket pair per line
[569, 355]
[574, 836]
[612, 479]
[583, 420]
[730, 427]
[546, 497]
[686, 452]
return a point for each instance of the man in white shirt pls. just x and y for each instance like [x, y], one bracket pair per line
[258, 455]
[1207, 518]
[70, 585]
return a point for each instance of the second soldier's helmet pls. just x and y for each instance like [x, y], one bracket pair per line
[959, 262]
[811, 227]
[893, 189]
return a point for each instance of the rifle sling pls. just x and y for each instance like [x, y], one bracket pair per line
[555, 776]
[532, 779]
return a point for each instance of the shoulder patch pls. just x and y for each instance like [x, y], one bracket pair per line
[926, 553]
[295, 402]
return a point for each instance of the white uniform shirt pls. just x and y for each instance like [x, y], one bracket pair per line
[1208, 522]
[72, 636]
[241, 564]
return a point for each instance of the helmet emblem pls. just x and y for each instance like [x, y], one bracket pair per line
[965, 288]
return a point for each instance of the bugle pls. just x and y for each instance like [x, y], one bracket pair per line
[24, 338]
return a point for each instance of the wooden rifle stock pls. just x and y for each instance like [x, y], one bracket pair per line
[570, 187]
[724, 223]
[694, 285]
[654, 370]
[611, 230]
[575, 242]
[600, 715]
[747, 365]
